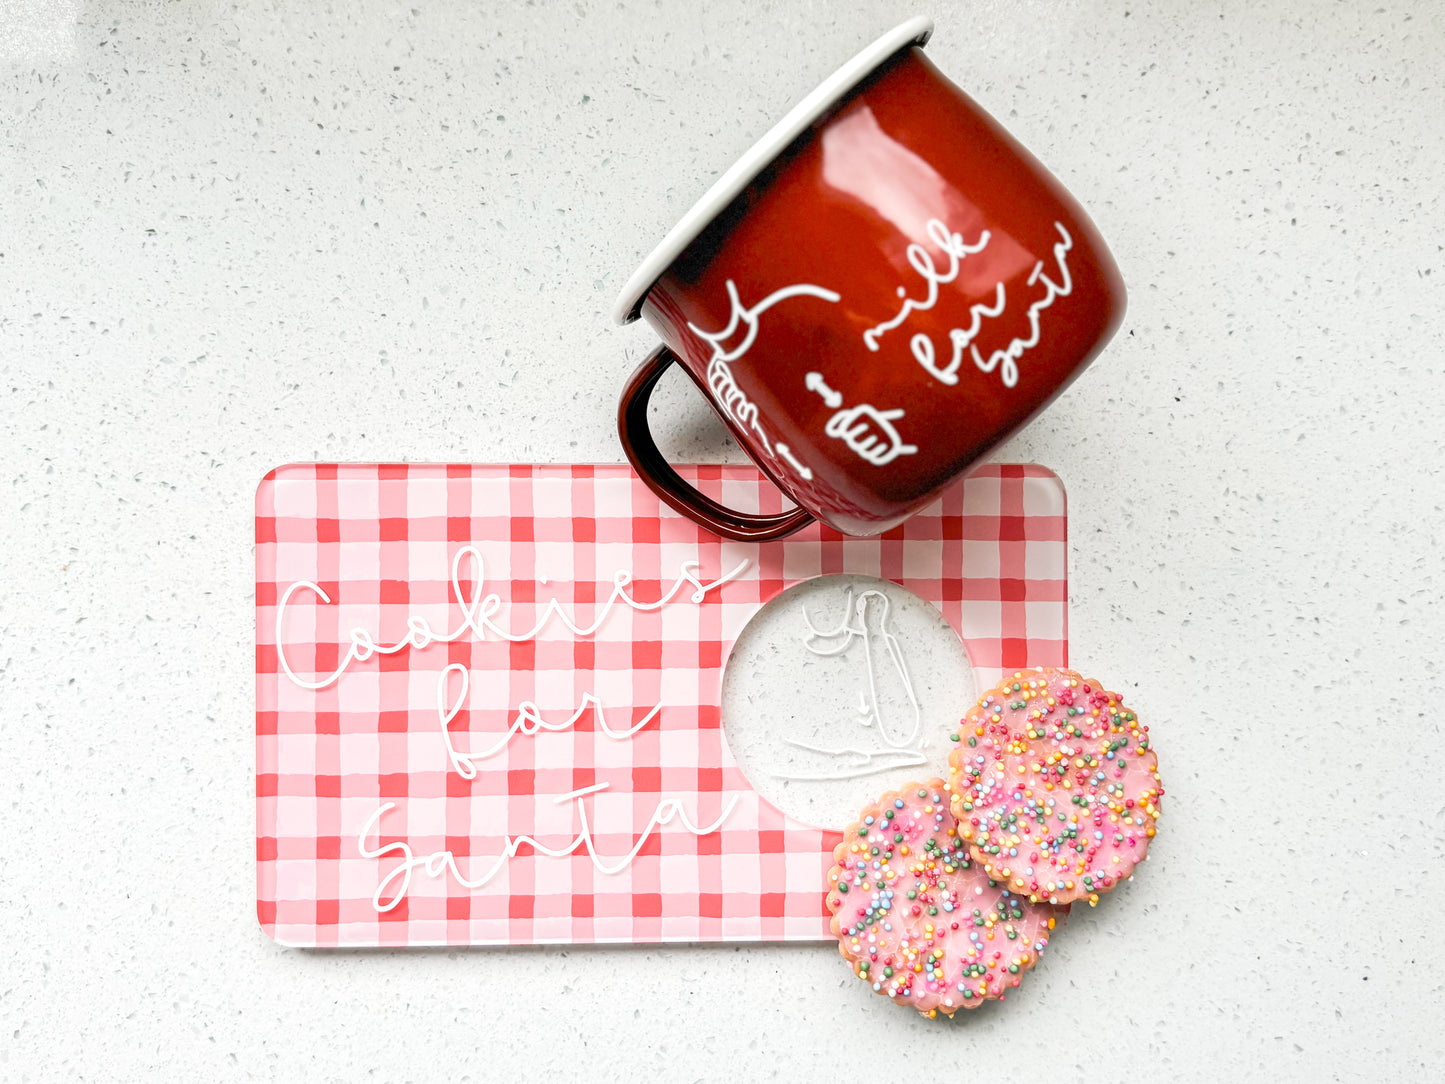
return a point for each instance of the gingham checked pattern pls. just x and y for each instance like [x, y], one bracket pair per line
[379, 541]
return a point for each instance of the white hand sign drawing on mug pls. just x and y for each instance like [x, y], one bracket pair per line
[870, 432]
[733, 400]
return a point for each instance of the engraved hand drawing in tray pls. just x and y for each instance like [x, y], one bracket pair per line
[489, 697]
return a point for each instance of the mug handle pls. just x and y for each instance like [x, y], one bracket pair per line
[654, 470]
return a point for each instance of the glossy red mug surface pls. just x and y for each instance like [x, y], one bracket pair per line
[896, 292]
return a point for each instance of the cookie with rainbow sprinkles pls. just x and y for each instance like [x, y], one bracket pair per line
[1055, 786]
[919, 920]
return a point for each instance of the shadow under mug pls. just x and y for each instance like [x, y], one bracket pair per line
[880, 291]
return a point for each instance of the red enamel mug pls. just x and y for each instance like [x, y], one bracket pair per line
[885, 287]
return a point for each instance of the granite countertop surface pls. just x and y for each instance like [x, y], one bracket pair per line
[235, 236]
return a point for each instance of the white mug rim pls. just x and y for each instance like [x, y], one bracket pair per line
[740, 174]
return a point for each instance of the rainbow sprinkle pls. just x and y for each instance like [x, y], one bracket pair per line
[1056, 786]
[918, 919]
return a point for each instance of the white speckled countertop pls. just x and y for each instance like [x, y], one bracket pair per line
[233, 236]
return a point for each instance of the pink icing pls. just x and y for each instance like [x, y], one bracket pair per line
[918, 920]
[1056, 786]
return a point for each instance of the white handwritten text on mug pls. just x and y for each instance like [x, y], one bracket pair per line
[866, 430]
[962, 338]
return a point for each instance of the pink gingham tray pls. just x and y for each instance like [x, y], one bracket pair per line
[578, 787]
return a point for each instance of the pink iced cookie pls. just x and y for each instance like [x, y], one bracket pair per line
[917, 919]
[1055, 785]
